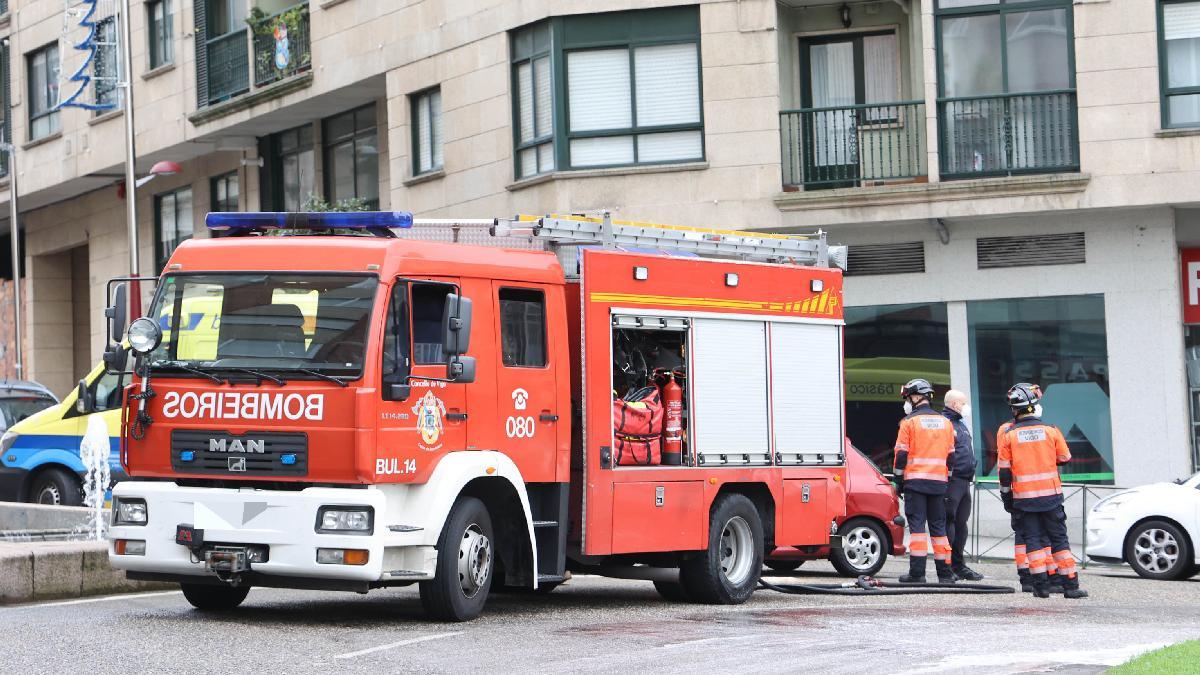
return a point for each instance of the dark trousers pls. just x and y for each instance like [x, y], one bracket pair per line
[927, 529]
[958, 514]
[1045, 536]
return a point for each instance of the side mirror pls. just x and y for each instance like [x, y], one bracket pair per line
[461, 369]
[84, 403]
[456, 325]
[117, 314]
[396, 392]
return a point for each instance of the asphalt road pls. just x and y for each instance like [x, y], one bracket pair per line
[602, 625]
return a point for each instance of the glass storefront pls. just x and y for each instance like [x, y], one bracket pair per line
[1058, 343]
[886, 346]
[1191, 343]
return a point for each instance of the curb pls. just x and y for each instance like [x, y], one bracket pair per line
[69, 569]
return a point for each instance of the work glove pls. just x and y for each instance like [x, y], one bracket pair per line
[1007, 498]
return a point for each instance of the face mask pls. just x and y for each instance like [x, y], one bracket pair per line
[1037, 410]
[966, 410]
[908, 407]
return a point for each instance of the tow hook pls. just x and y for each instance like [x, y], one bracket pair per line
[227, 563]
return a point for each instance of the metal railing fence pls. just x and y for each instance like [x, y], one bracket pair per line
[847, 146]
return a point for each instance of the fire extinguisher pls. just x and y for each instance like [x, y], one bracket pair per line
[672, 399]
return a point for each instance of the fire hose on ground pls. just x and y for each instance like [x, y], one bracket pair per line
[865, 585]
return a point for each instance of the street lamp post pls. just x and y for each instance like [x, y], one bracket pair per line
[135, 300]
[11, 151]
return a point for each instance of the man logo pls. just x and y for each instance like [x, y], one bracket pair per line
[235, 445]
[237, 464]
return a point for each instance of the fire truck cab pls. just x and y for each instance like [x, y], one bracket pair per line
[378, 410]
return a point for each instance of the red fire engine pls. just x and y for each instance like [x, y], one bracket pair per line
[315, 409]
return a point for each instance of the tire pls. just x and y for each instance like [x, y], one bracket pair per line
[1159, 550]
[465, 564]
[785, 565]
[864, 548]
[728, 571]
[672, 591]
[210, 598]
[57, 487]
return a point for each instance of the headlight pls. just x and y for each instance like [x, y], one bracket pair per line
[144, 335]
[345, 520]
[129, 511]
[7, 440]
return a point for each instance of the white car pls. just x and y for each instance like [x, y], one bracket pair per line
[1155, 528]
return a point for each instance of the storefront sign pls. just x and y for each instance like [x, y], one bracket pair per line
[1189, 260]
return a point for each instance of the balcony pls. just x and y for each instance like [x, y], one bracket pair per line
[854, 145]
[277, 45]
[1005, 135]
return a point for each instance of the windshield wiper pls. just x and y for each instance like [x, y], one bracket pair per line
[191, 369]
[256, 373]
[323, 376]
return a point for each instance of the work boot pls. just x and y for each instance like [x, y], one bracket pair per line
[944, 573]
[1041, 585]
[916, 570]
[967, 574]
[1071, 588]
[1057, 583]
[1026, 581]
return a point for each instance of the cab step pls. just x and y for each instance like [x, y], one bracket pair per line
[551, 579]
[544, 523]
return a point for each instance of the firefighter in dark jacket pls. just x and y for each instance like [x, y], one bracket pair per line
[962, 478]
[1028, 454]
[923, 448]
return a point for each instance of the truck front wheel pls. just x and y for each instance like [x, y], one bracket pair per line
[728, 572]
[466, 558]
[211, 597]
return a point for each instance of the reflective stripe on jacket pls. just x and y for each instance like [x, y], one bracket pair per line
[923, 447]
[1029, 452]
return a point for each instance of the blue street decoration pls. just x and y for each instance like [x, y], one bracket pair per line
[81, 76]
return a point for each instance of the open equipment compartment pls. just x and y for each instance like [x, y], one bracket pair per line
[649, 383]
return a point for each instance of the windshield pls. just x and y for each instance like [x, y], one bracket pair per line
[267, 322]
[13, 410]
[1194, 481]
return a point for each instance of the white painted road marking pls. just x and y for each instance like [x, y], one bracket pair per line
[402, 643]
[1092, 657]
[106, 598]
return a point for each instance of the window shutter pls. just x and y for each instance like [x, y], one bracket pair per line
[668, 85]
[525, 101]
[1181, 21]
[424, 159]
[868, 259]
[1047, 249]
[598, 93]
[435, 127]
[201, 36]
[541, 76]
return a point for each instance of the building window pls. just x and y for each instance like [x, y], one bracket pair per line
[1060, 344]
[43, 92]
[1006, 86]
[886, 346]
[632, 90]
[1179, 62]
[523, 327]
[352, 156]
[427, 131]
[224, 191]
[287, 178]
[172, 223]
[5, 106]
[161, 48]
[105, 67]
[534, 128]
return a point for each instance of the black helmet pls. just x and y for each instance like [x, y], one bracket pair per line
[1023, 396]
[917, 387]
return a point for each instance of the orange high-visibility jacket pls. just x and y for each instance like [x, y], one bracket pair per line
[1029, 452]
[923, 447]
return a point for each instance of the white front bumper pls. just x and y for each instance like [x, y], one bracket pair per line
[1106, 537]
[285, 521]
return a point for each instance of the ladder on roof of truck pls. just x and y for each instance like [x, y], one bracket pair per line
[557, 230]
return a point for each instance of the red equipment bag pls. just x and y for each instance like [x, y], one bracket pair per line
[637, 428]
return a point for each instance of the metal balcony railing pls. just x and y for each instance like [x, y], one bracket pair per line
[1007, 134]
[228, 66]
[282, 48]
[848, 146]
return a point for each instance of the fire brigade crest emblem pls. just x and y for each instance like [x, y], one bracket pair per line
[430, 412]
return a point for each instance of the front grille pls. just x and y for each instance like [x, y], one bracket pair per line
[241, 456]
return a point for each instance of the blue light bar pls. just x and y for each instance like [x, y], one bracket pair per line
[359, 220]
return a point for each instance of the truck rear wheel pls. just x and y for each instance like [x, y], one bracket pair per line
[466, 559]
[209, 597]
[672, 591]
[728, 572]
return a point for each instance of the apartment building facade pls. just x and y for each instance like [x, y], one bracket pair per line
[1017, 180]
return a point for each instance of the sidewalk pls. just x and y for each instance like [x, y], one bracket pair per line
[60, 569]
